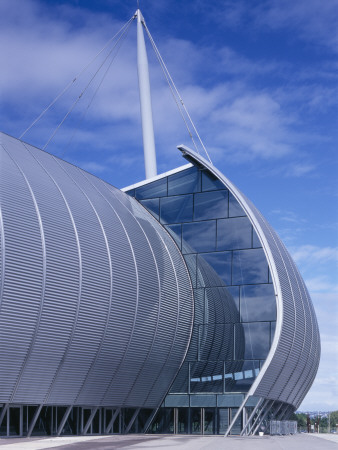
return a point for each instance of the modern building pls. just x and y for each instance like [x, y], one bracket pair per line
[170, 306]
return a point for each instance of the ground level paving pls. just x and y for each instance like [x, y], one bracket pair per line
[183, 442]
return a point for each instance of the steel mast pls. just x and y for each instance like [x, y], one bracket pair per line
[145, 101]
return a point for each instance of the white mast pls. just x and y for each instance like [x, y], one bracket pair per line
[145, 101]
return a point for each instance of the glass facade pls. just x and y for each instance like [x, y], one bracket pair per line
[235, 307]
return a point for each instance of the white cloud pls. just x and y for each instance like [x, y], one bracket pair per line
[42, 53]
[314, 254]
[311, 20]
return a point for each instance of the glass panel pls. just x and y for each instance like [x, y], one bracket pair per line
[235, 209]
[272, 328]
[199, 306]
[195, 415]
[164, 421]
[191, 263]
[223, 420]
[176, 233]
[255, 241]
[211, 205]
[234, 292]
[209, 420]
[211, 342]
[155, 189]
[180, 384]
[206, 376]
[131, 192]
[153, 206]
[210, 182]
[247, 375]
[199, 237]
[214, 269]
[185, 182]
[221, 306]
[176, 209]
[257, 340]
[182, 422]
[258, 303]
[234, 233]
[237, 426]
[249, 267]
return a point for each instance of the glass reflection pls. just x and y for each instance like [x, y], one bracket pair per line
[257, 303]
[185, 182]
[211, 205]
[257, 340]
[234, 233]
[255, 240]
[249, 267]
[220, 263]
[176, 209]
[155, 189]
[210, 182]
[199, 236]
[153, 206]
[235, 208]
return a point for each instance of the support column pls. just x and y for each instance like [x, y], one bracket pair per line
[132, 420]
[145, 101]
[90, 420]
[112, 420]
[33, 422]
[64, 420]
[3, 413]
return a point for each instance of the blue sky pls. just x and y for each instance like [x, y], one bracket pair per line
[260, 81]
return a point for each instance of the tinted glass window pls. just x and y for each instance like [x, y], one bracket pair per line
[176, 209]
[273, 328]
[210, 182]
[234, 208]
[185, 182]
[249, 267]
[155, 189]
[220, 262]
[211, 205]
[199, 237]
[221, 305]
[255, 241]
[258, 303]
[234, 292]
[153, 206]
[176, 233]
[256, 339]
[234, 233]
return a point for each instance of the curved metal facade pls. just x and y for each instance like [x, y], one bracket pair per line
[293, 360]
[96, 304]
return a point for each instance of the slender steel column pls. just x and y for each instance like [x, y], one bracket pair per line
[90, 420]
[145, 101]
[3, 412]
[33, 422]
[64, 420]
[112, 420]
[132, 420]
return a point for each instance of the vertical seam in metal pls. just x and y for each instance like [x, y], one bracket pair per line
[43, 288]
[80, 278]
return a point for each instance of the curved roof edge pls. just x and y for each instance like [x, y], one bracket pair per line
[292, 362]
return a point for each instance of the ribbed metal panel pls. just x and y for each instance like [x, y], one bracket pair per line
[293, 360]
[96, 300]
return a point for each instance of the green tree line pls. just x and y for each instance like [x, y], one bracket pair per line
[323, 422]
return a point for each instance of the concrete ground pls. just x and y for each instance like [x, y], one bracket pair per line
[184, 442]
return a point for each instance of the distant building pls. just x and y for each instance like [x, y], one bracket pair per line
[171, 307]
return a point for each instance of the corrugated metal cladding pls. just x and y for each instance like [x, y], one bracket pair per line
[290, 372]
[96, 300]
